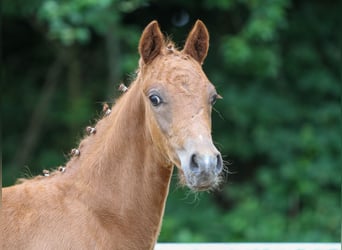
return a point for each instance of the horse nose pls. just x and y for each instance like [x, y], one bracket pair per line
[206, 163]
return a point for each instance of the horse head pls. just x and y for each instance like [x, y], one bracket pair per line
[179, 99]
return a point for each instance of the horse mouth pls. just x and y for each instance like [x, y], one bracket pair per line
[201, 188]
[199, 183]
[207, 185]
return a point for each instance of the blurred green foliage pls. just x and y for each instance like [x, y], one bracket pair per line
[276, 63]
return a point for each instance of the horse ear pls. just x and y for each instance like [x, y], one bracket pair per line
[197, 43]
[151, 42]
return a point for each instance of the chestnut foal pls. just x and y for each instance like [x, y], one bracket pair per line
[112, 193]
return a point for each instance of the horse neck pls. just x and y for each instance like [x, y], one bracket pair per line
[120, 171]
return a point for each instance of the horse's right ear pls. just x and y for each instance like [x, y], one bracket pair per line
[151, 42]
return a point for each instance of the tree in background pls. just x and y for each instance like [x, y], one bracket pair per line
[276, 63]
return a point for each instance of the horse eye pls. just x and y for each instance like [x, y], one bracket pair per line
[155, 100]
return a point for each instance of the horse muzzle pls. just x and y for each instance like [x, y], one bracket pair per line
[202, 168]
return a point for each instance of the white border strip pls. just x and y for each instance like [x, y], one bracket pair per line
[248, 246]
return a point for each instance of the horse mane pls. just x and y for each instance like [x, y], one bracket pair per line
[169, 48]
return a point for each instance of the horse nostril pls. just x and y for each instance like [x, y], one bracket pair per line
[194, 163]
[206, 163]
[219, 164]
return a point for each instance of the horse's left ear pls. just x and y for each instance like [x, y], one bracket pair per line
[197, 43]
[151, 42]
